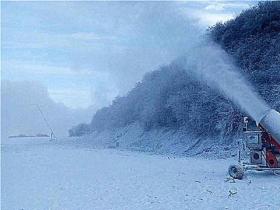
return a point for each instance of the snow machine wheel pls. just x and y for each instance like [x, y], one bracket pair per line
[236, 171]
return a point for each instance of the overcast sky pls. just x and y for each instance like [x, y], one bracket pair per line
[86, 53]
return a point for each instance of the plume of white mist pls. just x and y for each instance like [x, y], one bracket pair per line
[211, 64]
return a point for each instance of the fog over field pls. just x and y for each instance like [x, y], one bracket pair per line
[20, 114]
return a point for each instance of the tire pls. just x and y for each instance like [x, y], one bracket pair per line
[236, 171]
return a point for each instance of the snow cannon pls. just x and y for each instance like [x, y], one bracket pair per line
[261, 146]
[271, 124]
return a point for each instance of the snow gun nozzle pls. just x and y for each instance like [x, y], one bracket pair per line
[271, 124]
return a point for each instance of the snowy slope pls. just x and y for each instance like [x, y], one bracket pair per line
[160, 141]
[38, 174]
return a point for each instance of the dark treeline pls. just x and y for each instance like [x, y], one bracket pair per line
[253, 39]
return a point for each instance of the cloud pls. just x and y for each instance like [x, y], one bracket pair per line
[99, 49]
[73, 86]
[89, 36]
[104, 50]
[209, 19]
[42, 40]
[72, 97]
[209, 13]
[29, 68]
[221, 6]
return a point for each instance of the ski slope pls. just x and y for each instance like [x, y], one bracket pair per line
[38, 174]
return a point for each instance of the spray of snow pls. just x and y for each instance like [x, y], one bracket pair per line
[211, 64]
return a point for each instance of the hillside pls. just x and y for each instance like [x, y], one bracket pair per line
[170, 100]
[253, 40]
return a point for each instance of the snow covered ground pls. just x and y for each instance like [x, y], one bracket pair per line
[38, 174]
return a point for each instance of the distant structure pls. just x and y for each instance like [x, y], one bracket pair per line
[52, 135]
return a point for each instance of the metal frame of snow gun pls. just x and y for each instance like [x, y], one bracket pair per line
[263, 142]
[237, 171]
[249, 167]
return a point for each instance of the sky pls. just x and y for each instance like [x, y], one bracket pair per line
[87, 53]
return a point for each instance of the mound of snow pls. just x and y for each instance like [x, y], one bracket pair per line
[159, 141]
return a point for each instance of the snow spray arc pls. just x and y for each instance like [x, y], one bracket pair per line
[209, 63]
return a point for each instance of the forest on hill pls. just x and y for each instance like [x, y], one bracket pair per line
[170, 98]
